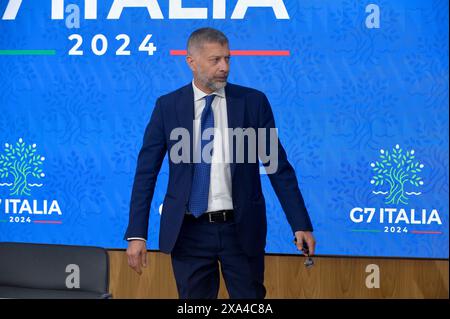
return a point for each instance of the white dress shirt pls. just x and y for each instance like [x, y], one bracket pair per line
[219, 197]
[220, 179]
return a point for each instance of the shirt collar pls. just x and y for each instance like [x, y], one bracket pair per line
[199, 94]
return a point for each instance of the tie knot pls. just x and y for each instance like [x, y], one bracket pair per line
[209, 99]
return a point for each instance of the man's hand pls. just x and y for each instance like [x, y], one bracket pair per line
[305, 236]
[137, 255]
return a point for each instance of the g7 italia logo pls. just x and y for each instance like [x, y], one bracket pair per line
[20, 170]
[396, 176]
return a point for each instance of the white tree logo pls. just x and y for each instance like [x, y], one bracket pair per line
[21, 162]
[396, 169]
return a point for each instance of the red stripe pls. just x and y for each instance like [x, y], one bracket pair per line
[47, 222]
[244, 52]
[178, 52]
[425, 232]
[260, 52]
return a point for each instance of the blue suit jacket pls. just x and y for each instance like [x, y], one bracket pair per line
[245, 108]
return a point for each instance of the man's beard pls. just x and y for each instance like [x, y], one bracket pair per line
[211, 84]
[216, 85]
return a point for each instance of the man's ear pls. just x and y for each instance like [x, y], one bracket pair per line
[190, 62]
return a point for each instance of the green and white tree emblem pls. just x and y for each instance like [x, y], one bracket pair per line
[396, 169]
[21, 162]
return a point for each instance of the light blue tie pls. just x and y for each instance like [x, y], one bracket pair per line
[198, 200]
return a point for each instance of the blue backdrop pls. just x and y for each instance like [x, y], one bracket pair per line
[361, 105]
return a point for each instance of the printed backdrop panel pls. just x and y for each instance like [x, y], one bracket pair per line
[359, 91]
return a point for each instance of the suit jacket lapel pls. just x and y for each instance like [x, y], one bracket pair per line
[185, 108]
[185, 116]
[235, 114]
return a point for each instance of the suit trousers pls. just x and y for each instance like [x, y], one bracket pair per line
[200, 248]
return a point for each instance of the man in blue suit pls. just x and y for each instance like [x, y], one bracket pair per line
[214, 210]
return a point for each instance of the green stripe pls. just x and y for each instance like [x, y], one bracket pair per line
[27, 52]
[366, 230]
[3, 221]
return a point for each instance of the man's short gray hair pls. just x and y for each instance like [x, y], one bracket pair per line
[205, 35]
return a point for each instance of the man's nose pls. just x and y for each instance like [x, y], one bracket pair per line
[224, 65]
